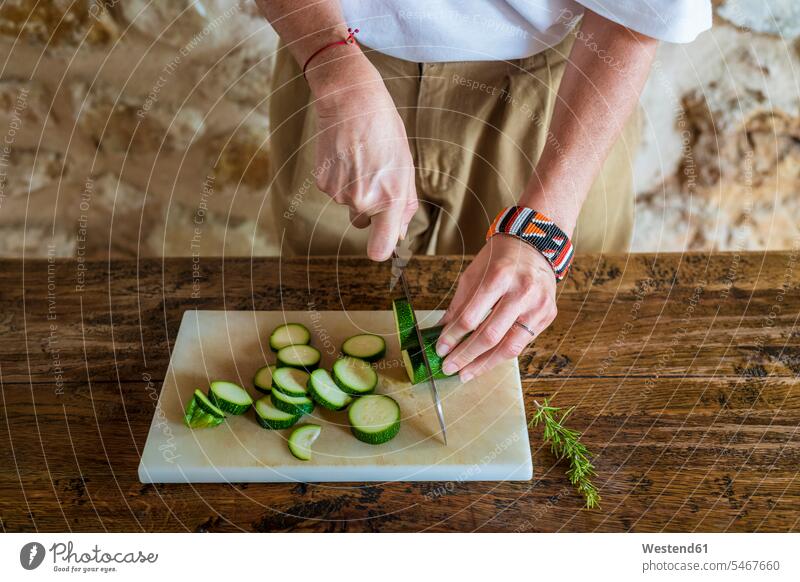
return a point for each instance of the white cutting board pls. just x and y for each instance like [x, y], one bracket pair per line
[486, 427]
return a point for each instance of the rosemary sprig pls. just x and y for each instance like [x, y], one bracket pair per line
[565, 444]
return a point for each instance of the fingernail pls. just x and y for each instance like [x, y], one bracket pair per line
[449, 368]
[442, 350]
[466, 377]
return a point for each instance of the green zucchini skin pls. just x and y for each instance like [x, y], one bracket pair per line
[261, 376]
[413, 357]
[344, 385]
[200, 413]
[317, 389]
[225, 405]
[296, 441]
[271, 420]
[276, 424]
[374, 437]
[298, 379]
[406, 323]
[292, 405]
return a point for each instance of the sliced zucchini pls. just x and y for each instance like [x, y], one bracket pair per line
[290, 381]
[262, 380]
[201, 413]
[290, 334]
[405, 322]
[301, 357]
[229, 397]
[296, 405]
[324, 391]
[374, 419]
[354, 376]
[302, 438]
[270, 417]
[365, 346]
[415, 365]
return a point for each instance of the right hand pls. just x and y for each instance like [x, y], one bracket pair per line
[363, 157]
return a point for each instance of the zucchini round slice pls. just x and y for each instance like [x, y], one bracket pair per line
[290, 334]
[365, 346]
[414, 363]
[290, 381]
[301, 357]
[201, 413]
[302, 438]
[374, 419]
[405, 321]
[262, 379]
[270, 417]
[296, 405]
[229, 397]
[354, 376]
[324, 391]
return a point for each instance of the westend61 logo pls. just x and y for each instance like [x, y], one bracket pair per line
[66, 559]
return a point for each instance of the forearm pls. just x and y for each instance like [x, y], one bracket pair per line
[305, 26]
[604, 76]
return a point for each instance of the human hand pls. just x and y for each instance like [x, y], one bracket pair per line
[364, 160]
[516, 283]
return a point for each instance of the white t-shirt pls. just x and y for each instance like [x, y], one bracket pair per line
[477, 30]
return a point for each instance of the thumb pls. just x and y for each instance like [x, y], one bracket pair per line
[409, 211]
[383, 234]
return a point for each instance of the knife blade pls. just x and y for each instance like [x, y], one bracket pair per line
[399, 266]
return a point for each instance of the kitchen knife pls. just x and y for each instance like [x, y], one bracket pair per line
[398, 270]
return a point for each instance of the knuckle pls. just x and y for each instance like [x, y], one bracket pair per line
[495, 278]
[470, 320]
[516, 346]
[526, 282]
[493, 334]
[508, 351]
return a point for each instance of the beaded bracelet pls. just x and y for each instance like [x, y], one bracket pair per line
[538, 231]
[350, 39]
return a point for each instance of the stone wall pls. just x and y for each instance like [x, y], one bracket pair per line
[138, 127]
[720, 163]
[135, 127]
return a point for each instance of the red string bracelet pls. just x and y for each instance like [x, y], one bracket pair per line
[350, 39]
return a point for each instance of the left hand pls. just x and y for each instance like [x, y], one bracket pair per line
[515, 282]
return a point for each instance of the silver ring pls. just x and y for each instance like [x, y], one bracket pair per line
[526, 328]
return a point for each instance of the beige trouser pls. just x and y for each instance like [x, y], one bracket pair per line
[476, 130]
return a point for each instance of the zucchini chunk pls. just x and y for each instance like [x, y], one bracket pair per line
[302, 438]
[201, 413]
[229, 397]
[374, 419]
[324, 391]
[262, 379]
[365, 346]
[414, 363]
[291, 381]
[301, 357]
[296, 405]
[354, 376]
[405, 321]
[290, 334]
[270, 417]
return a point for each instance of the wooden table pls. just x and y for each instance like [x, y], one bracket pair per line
[683, 370]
